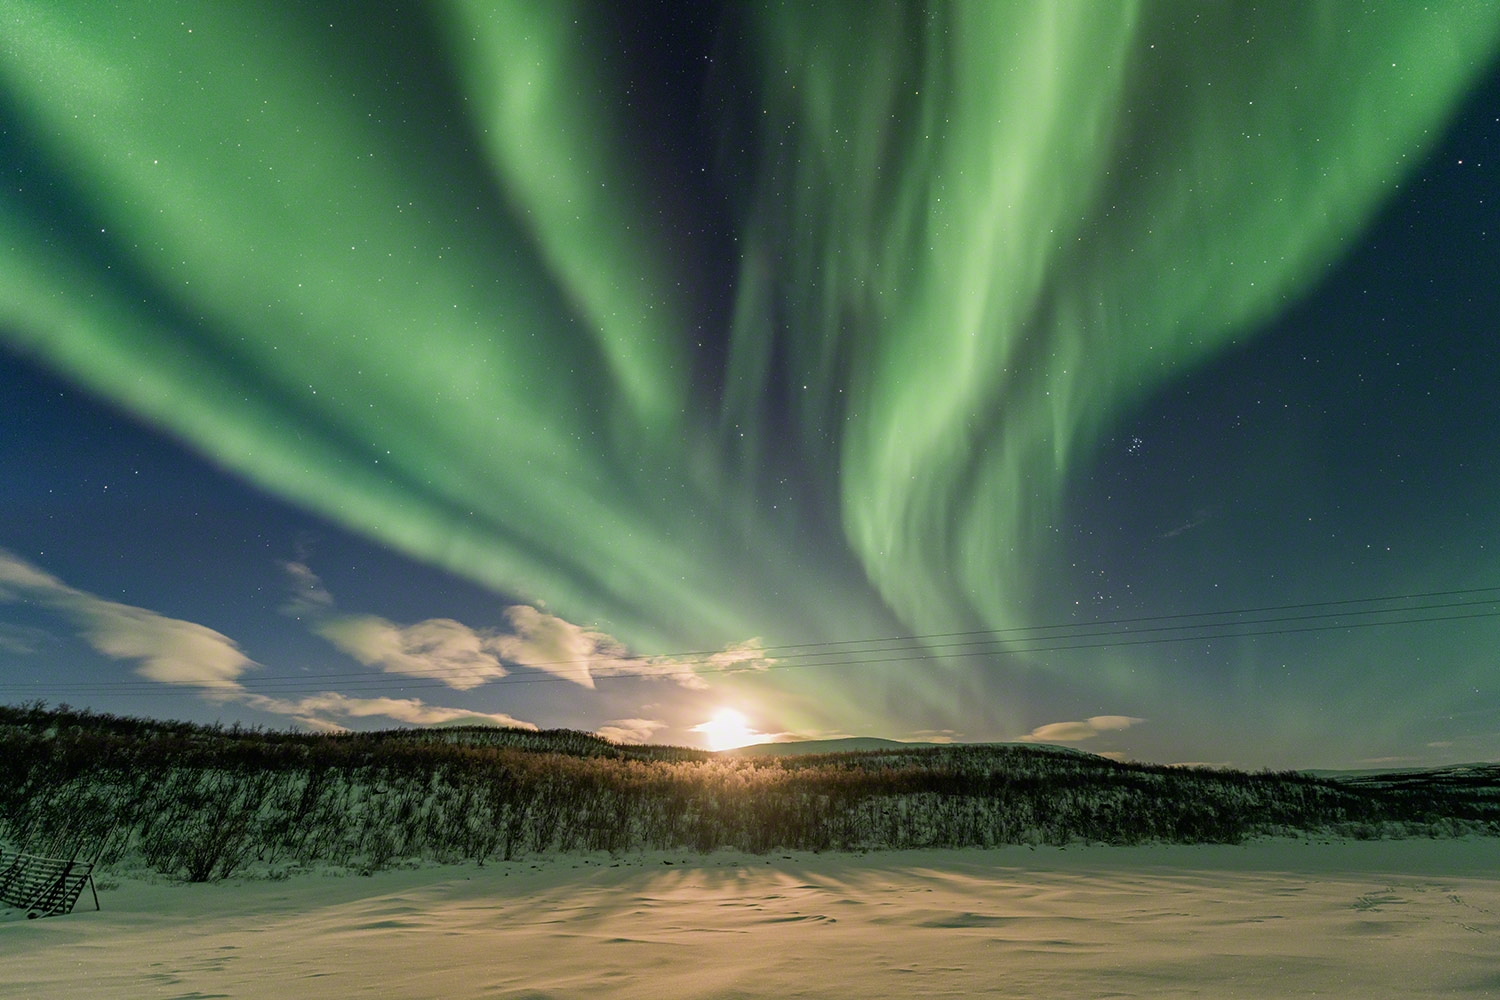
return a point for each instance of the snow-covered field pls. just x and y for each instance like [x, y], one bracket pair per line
[1267, 919]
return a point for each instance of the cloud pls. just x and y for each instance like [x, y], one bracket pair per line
[1108, 723]
[309, 596]
[551, 644]
[21, 639]
[439, 649]
[1200, 517]
[313, 711]
[747, 655]
[464, 657]
[173, 651]
[1061, 732]
[19, 579]
[631, 731]
[1077, 732]
[168, 650]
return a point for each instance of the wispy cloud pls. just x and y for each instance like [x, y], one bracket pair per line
[747, 655]
[168, 650]
[309, 596]
[19, 579]
[631, 731]
[1200, 517]
[1077, 732]
[315, 710]
[21, 639]
[177, 652]
[935, 735]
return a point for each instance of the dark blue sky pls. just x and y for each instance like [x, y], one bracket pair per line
[341, 391]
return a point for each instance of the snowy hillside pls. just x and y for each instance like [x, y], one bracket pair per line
[203, 802]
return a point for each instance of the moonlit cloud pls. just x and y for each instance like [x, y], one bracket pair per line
[747, 655]
[630, 731]
[309, 596]
[685, 671]
[573, 653]
[1106, 723]
[1077, 732]
[17, 639]
[20, 579]
[550, 644]
[314, 711]
[168, 650]
[439, 649]
[935, 735]
[183, 653]
[464, 657]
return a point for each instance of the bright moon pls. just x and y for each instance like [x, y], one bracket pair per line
[727, 729]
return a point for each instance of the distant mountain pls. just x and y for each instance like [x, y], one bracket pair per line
[1475, 768]
[849, 744]
[868, 744]
[1445, 777]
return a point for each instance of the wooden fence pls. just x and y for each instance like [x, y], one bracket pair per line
[44, 886]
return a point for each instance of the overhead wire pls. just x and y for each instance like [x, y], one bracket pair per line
[1010, 641]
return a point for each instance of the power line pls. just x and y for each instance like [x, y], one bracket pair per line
[1016, 640]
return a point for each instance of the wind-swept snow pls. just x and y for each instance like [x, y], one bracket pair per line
[1264, 919]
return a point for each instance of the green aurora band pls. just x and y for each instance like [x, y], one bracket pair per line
[974, 234]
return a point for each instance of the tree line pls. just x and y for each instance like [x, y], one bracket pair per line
[203, 802]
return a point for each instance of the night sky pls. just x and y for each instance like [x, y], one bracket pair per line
[1117, 375]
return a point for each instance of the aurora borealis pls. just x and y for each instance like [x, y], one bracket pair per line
[717, 329]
